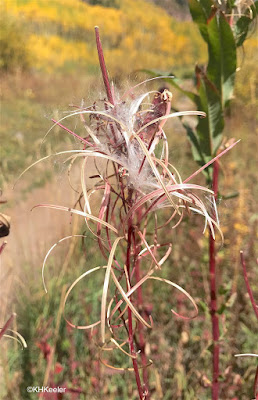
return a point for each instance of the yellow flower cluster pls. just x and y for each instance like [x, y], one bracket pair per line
[136, 35]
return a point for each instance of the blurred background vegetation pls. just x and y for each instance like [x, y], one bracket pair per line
[48, 61]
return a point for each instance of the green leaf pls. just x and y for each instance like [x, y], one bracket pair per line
[207, 6]
[200, 16]
[222, 56]
[229, 196]
[197, 153]
[209, 129]
[203, 305]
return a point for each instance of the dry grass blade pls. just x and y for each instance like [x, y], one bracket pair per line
[128, 302]
[154, 169]
[105, 288]
[48, 253]
[69, 291]
[181, 290]
[176, 114]
[120, 347]
[83, 183]
[74, 211]
[20, 339]
[246, 355]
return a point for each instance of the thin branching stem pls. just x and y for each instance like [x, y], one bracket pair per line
[72, 133]
[213, 296]
[140, 308]
[130, 320]
[248, 287]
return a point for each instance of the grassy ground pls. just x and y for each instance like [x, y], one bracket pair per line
[28, 102]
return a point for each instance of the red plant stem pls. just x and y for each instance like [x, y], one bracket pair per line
[210, 162]
[140, 306]
[248, 287]
[256, 384]
[72, 133]
[162, 123]
[6, 325]
[103, 66]
[144, 158]
[213, 295]
[104, 74]
[130, 320]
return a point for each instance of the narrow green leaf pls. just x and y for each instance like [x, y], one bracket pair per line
[207, 6]
[196, 149]
[197, 153]
[209, 129]
[203, 305]
[222, 56]
[200, 16]
[229, 196]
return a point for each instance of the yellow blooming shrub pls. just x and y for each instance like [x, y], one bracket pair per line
[136, 35]
[53, 52]
[70, 14]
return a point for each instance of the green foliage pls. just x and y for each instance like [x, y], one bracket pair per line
[215, 84]
[209, 129]
[222, 57]
[14, 53]
[200, 11]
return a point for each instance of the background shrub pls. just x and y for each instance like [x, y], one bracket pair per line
[14, 53]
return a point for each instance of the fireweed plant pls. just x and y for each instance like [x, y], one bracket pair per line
[224, 27]
[138, 181]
